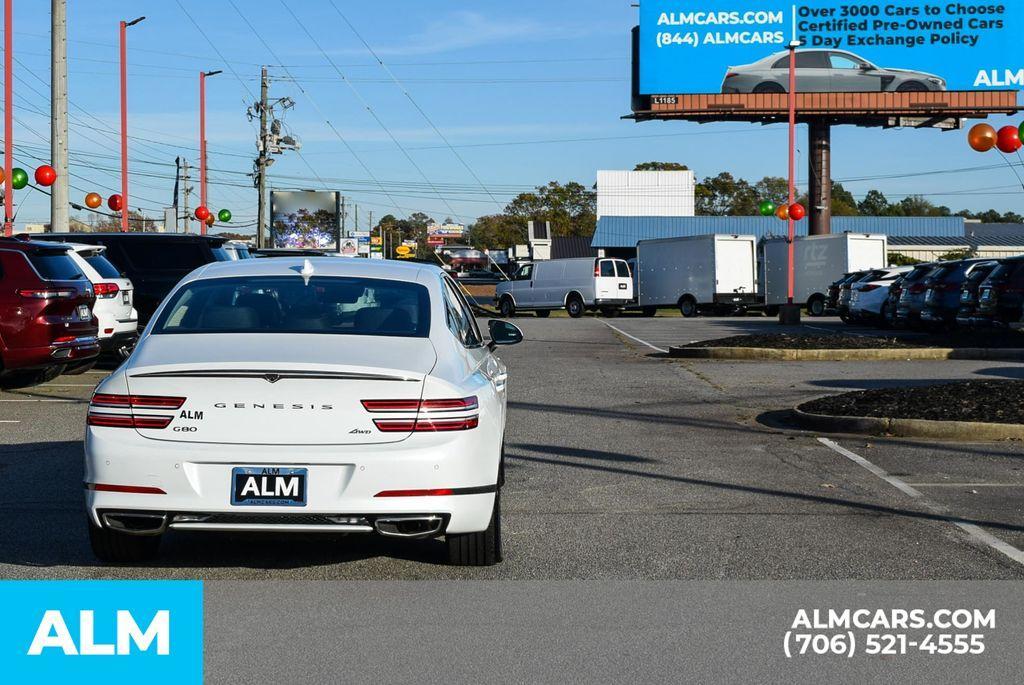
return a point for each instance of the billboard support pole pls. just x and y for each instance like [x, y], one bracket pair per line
[819, 177]
[789, 314]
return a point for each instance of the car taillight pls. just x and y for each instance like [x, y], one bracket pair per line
[425, 420]
[731, 74]
[917, 288]
[127, 420]
[460, 404]
[47, 293]
[426, 425]
[106, 290]
[869, 287]
[137, 401]
[432, 492]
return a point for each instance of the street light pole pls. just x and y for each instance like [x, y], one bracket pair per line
[202, 140]
[124, 120]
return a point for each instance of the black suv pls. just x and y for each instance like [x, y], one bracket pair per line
[969, 293]
[1001, 295]
[155, 262]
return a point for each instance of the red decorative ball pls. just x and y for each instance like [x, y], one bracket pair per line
[45, 175]
[1008, 139]
[797, 212]
[115, 202]
[202, 213]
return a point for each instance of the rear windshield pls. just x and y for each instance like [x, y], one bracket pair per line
[103, 267]
[55, 266]
[607, 268]
[940, 273]
[1003, 271]
[622, 270]
[243, 252]
[978, 274]
[918, 273]
[285, 304]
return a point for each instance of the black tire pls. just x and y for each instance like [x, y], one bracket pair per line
[610, 312]
[478, 549]
[649, 311]
[885, 316]
[575, 307]
[772, 310]
[113, 546]
[507, 308]
[912, 87]
[688, 307]
[816, 306]
[769, 87]
[543, 313]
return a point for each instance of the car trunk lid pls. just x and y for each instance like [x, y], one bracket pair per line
[277, 390]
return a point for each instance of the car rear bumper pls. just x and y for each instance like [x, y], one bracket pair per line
[117, 341]
[80, 349]
[617, 302]
[738, 299]
[342, 481]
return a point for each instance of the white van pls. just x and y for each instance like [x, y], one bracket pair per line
[576, 285]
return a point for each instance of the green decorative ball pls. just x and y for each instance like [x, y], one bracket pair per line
[767, 208]
[19, 178]
[224, 216]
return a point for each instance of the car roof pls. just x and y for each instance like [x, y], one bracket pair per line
[60, 237]
[322, 266]
[79, 247]
[28, 245]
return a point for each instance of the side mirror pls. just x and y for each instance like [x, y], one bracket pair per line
[866, 67]
[503, 333]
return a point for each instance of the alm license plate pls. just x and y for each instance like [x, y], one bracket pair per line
[268, 486]
[83, 312]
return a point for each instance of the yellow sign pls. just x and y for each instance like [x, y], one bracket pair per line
[403, 250]
[375, 240]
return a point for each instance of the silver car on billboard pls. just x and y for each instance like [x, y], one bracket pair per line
[826, 71]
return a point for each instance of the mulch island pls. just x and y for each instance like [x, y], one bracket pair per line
[985, 401]
[786, 341]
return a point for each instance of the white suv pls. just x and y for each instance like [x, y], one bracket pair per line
[118, 320]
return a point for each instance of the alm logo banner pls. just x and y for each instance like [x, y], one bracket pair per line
[102, 631]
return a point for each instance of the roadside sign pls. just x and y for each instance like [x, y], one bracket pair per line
[403, 250]
[376, 240]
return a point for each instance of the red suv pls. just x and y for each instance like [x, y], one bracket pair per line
[46, 321]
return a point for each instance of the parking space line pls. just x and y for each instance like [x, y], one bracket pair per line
[10, 421]
[633, 337]
[973, 531]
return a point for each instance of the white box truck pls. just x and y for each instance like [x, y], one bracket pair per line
[697, 273]
[818, 261]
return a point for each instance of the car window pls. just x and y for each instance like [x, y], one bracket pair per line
[55, 266]
[812, 60]
[524, 273]
[174, 255]
[286, 304]
[622, 269]
[460, 319]
[103, 266]
[607, 267]
[843, 62]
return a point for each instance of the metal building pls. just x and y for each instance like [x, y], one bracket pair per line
[645, 193]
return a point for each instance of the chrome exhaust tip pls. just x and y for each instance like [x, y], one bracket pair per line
[409, 527]
[135, 523]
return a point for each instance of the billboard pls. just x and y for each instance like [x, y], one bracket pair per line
[349, 247]
[446, 230]
[740, 46]
[305, 219]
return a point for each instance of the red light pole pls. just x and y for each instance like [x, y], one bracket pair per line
[8, 116]
[790, 313]
[202, 141]
[124, 121]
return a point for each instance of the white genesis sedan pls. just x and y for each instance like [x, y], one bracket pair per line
[286, 395]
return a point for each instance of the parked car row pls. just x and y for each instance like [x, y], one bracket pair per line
[973, 293]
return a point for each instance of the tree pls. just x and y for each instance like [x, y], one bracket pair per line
[497, 231]
[661, 166]
[900, 259]
[843, 202]
[571, 208]
[136, 222]
[773, 188]
[725, 195]
[874, 204]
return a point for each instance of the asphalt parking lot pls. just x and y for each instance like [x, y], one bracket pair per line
[622, 464]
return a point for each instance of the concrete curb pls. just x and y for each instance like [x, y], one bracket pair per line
[903, 354]
[963, 431]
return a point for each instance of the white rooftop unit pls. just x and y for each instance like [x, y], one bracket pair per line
[645, 193]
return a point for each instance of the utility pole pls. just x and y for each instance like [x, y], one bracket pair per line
[59, 218]
[187, 190]
[357, 217]
[344, 231]
[8, 116]
[261, 161]
[124, 119]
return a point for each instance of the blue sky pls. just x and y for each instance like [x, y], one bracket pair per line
[526, 91]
